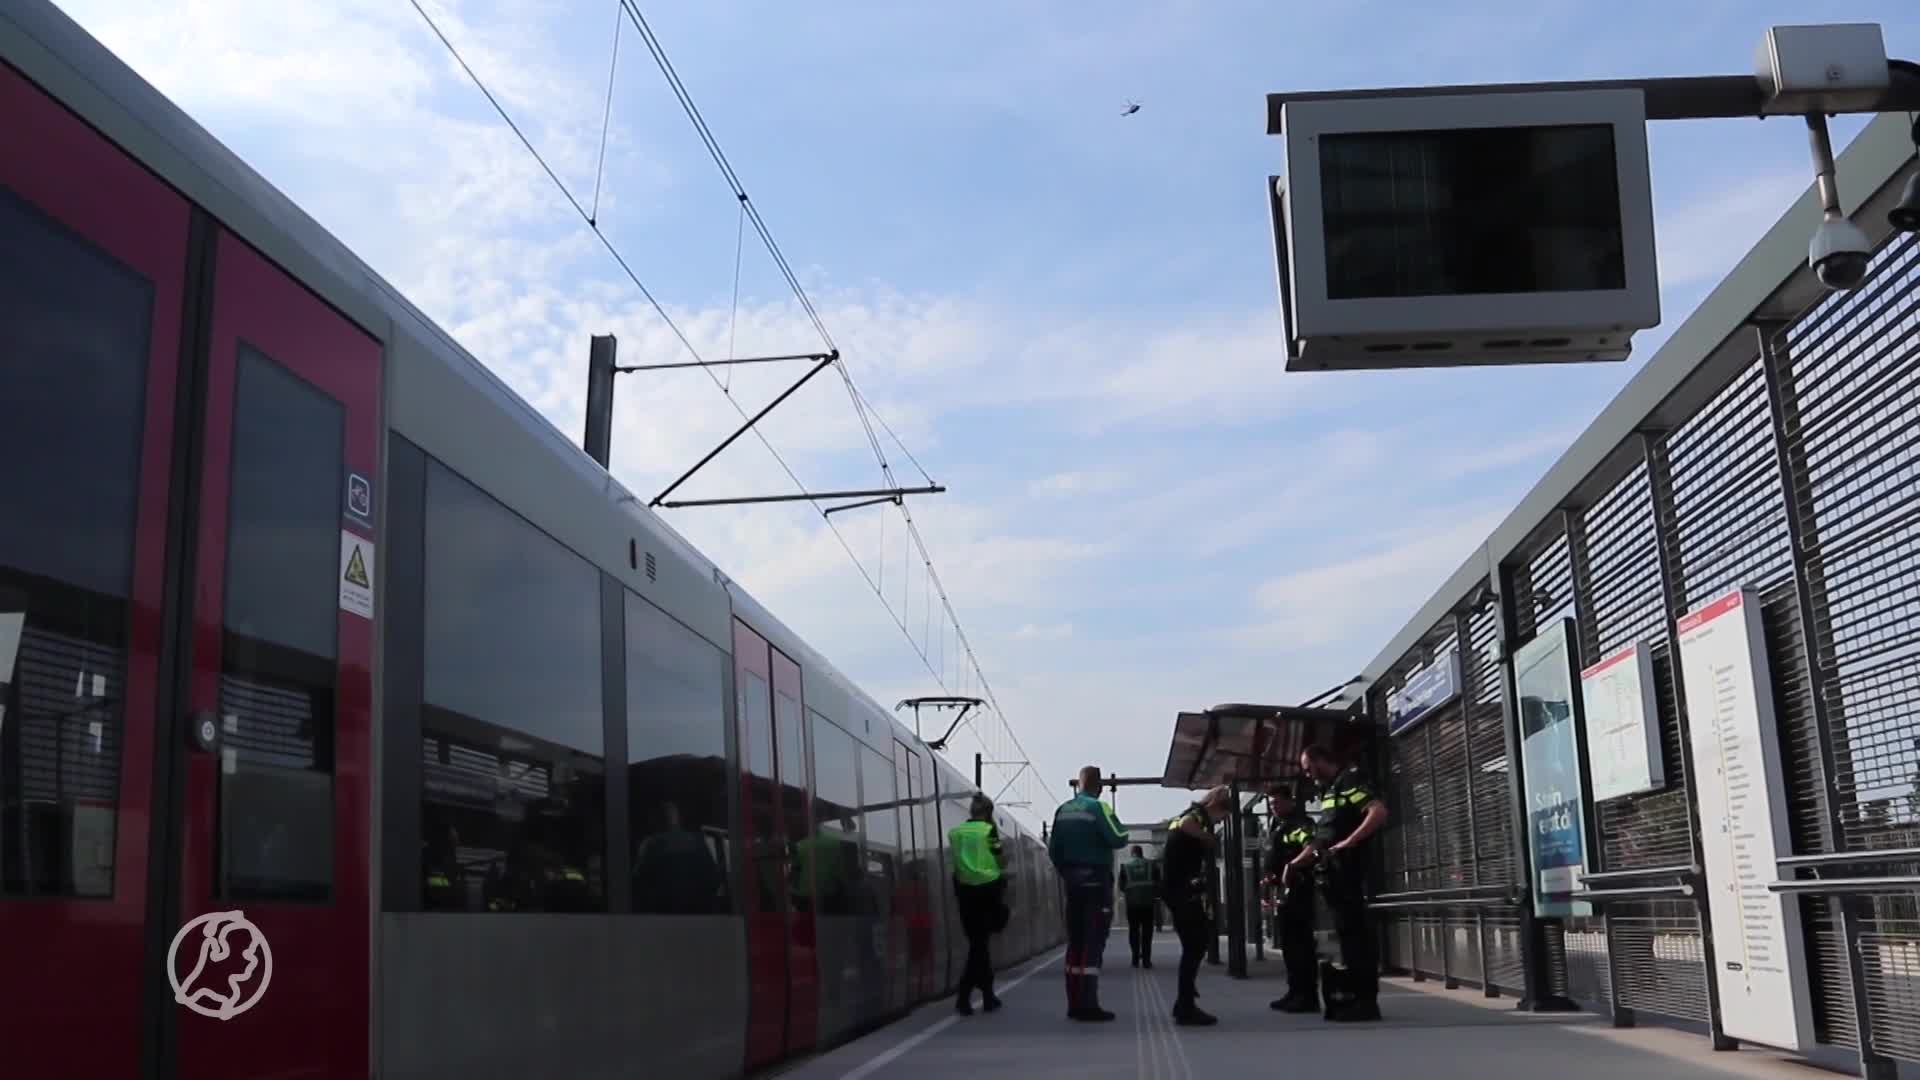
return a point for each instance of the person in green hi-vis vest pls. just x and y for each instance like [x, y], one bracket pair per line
[1082, 844]
[1140, 886]
[979, 883]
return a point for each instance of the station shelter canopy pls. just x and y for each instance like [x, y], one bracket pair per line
[1253, 745]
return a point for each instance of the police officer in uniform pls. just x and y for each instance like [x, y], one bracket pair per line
[1292, 831]
[1187, 866]
[1140, 887]
[979, 884]
[1347, 811]
[1085, 836]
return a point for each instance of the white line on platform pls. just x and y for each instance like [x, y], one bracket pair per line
[887, 1057]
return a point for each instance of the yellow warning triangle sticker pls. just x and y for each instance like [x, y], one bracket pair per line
[357, 570]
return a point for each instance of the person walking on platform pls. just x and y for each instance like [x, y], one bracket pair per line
[1188, 879]
[1085, 836]
[1347, 811]
[1140, 887]
[1291, 833]
[979, 883]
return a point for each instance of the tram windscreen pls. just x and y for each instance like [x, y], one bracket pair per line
[1471, 211]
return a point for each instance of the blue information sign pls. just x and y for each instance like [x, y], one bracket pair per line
[1426, 690]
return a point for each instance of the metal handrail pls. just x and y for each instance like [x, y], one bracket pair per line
[1847, 858]
[1651, 871]
[1650, 892]
[1835, 886]
[1494, 901]
[1464, 892]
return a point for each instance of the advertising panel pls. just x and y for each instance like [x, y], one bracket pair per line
[1550, 756]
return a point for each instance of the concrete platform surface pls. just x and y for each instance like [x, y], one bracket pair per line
[1428, 1033]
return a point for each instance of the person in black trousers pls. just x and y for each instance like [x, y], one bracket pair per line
[1347, 811]
[979, 885]
[1291, 833]
[1140, 887]
[1187, 877]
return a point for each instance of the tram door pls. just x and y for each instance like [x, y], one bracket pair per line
[783, 978]
[184, 676]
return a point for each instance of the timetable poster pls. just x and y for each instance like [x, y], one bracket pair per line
[1623, 733]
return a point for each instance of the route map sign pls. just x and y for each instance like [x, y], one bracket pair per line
[1758, 945]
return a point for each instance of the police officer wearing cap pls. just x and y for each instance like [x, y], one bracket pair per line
[1347, 811]
[1187, 866]
[1292, 831]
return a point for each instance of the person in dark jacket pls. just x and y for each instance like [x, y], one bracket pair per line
[1187, 877]
[1291, 833]
[1140, 888]
[1347, 811]
[1085, 836]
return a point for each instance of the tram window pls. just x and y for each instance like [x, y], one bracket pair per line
[282, 621]
[513, 739]
[881, 819]
[765, 848]
[677, 781]
[74, 339]
[833, 851]
[792, 744]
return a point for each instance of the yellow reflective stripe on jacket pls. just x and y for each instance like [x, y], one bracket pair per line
[976, 845]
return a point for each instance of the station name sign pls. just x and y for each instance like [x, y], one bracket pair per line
[1426, 689]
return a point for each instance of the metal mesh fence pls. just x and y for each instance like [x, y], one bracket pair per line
[1795, 475]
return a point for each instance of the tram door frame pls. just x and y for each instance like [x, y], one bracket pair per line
[213, 299]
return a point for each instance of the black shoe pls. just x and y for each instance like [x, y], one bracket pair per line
[1294, 1003]
[1356, 1012]
[1191, 1016]
[963, 1004]
[1092, 1016]
[1136, 961]
[1148, 964]
[990, 1003]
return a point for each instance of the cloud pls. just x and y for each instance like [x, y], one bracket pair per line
[1079, 482]
[1704, 237]
[1519, 451]
[1134, 481]
[1356, 596]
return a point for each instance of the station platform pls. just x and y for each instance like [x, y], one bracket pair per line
[1428, 1032]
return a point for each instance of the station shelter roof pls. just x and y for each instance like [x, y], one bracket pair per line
[1253, 744]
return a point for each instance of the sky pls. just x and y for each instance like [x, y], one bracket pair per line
[1068, 316]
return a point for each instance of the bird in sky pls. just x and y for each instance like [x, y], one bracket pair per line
[1132, 107]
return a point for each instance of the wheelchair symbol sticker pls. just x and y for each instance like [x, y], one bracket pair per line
[229, 989]
[359, 498]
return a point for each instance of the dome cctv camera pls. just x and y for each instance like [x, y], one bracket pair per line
[1839, 253]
